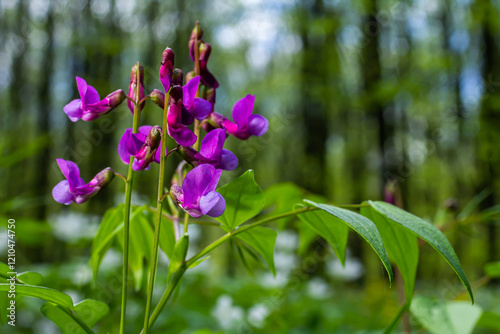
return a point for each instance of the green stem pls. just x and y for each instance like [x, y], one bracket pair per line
[186, 222]
[161, 181]
[126, 225]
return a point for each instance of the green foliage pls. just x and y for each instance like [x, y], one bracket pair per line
[50, 295]
[445, 317]
[363, 227]
[427, 232]
[492, 269]
[31, 278]
[263, 241]
[178, 255]
[327, 226]
[401, 245]
[244, 200]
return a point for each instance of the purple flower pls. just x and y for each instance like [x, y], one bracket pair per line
[211, 152]
[143, 146]
[245, 124]
[207, 77]
[90, 106]
[197, 195]
[136, 80]
[167, 68]
[74, 189]
[176, 127]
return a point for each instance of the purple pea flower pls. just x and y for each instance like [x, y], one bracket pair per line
[207, 77]
[90, 106]
[197, 195]
[211, 152]
[192, 107]
[143, 146]
[245, 124]
[176, 127]
[74, 189]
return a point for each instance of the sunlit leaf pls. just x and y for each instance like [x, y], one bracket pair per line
[244, 200]
[91, 311]
[427, 232]
[41, 292]
[364, 227]
[31, 278]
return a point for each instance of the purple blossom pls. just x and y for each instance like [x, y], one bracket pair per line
[176, 127]
[74, 189]
[211, 152]
[143, 146]
[197, 195]
[134, 82]
[90, 106]
[207, 77]
[245, 124]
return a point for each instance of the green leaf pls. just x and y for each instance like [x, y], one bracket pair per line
[364, 227]
[427, 232]
[178, 255]
[41, 292]
[111, 223]
[91, 311]
[141, 239]
[492, 269]
[401, 245]
[327, 226]
[167, 236]
[244, 200]
[439, 317]
[263, 241]
[62, 319]
[4, 270]
[490, 321]
[31, 278]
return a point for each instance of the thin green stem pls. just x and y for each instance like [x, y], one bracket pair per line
[161, 181]
[121, 177]
[186, 222]
[126, 221]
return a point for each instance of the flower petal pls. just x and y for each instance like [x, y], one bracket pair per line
[62, 193]
[74, 110]
[135, 142]
[189, 92]
[229, 161]
[71, 172]
[242, 110]
[122, 146]
[182, 135]
[195, 183]
[201, 109]
[211, 145]
[257, 125]
[212, 204]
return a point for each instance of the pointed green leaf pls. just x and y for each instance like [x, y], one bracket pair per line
[178, 255]
[31, 278]
[244, 200]
[364, 227]
[141, 239]
[167, 236]
[41, 292]
[111, 223]
[401, 245]
[91, 311]
[427, 232]
[327, 226]
[490, 320]
[62, 319]
[263, 241]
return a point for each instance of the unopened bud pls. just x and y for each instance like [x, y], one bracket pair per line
[116, 98]
[188, 154]
[166, 68]
[177, 77]
[104, 177]
[158, 98]
[216, 120]
[146, 154]
[175, 94]
[176, 194]
[136, 79]
[196, 35]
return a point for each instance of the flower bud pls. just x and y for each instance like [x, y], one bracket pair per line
[136, 79]
[104, 177]
[216, 120]
[207, 78]
[175, 94]
[115, 98]
[177, 77]
[196, 35]
[147, 152]
[188, 154]
[176, 194]
[190, 76]
[158, 98]
[166, 68]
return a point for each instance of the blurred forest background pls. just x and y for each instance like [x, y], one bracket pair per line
[358, 94]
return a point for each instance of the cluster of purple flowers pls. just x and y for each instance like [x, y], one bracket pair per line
[193, 102]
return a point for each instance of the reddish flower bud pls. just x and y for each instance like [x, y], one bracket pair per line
[136, 79]
[158, 98]
[195, 37]
[167, 68]
[177, 77]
